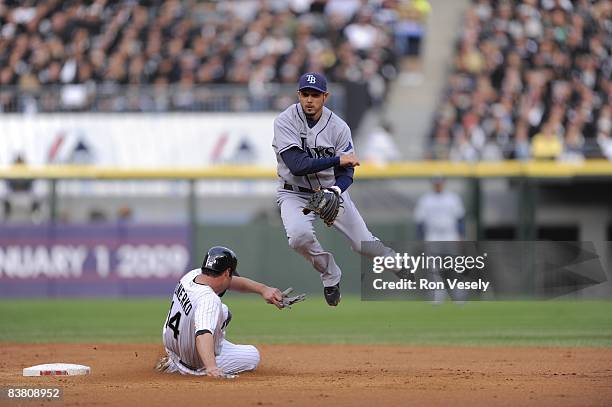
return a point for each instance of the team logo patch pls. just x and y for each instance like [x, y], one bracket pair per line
[311, 79]
[210, 262]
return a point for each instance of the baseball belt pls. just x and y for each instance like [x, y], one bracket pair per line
[187, 366]
[297, 188]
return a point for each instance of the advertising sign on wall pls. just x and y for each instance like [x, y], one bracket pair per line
[139, 140]
[92, 260]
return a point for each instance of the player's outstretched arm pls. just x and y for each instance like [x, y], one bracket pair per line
[272, 295]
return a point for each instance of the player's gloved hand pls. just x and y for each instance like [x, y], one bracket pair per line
[273, 296]
[288, 301]
[217, 372]
[326, 203]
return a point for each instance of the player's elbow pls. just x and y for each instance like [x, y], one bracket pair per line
[298, 169]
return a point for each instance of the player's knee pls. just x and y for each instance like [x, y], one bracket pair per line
[357, 248]
[254, 358]
[371, 248]
[301, 240]
[364, 249]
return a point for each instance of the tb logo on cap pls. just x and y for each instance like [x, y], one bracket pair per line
[313, 80]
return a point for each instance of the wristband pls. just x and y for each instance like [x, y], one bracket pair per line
[337, 189]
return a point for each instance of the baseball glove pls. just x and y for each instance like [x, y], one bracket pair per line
[289, 301]
[326, 203]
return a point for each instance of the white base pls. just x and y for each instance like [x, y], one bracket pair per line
[57, 369]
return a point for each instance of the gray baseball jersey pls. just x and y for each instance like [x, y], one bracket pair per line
[195, 308]
[330, 137]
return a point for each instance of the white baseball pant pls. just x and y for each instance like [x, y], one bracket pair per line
[232, 359]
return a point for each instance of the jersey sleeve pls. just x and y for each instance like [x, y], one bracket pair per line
[207, 316]
[345, 141]
[286, 134]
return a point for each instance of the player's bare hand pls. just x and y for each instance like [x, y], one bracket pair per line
[349, 160]
[217, 372]
[273, 296]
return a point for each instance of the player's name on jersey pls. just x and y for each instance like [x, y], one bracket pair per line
[183, 298]
[425, 284]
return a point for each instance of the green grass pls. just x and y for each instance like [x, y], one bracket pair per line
[524, 323]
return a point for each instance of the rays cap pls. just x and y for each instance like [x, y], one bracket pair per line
[313, 80]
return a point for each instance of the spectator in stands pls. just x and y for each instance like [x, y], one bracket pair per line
[491, 151]
[380, 147]
[462, 149]
[573, 145]
[362, 35]
[546, 145]
[410, 26]
[440, 149]
[522, 148]
[604, 126]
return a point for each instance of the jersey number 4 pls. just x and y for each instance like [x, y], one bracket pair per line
[173, 323]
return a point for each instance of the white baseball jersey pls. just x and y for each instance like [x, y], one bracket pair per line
[440, 212]
[330, 137]
[195, 308]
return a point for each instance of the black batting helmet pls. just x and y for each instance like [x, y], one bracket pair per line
[218, 259]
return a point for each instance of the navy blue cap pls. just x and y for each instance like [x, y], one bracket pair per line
[313, 80]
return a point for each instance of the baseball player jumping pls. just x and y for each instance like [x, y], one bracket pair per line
[316, 160]
[194, 331]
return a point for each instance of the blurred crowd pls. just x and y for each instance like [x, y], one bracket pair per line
[530, 80]
[98, 47]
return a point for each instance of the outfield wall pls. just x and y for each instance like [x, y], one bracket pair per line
[521, 198]
[123, 260]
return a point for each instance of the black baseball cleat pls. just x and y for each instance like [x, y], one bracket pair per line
[332, 294]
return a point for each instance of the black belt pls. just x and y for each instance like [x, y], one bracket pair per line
[187, 366]
[297, 188]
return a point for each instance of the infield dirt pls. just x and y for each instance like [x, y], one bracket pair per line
[330, 375]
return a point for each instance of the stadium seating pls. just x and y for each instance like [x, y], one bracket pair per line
[528, 70]
[154, 55]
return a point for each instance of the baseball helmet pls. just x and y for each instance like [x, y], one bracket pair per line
[218, 259]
